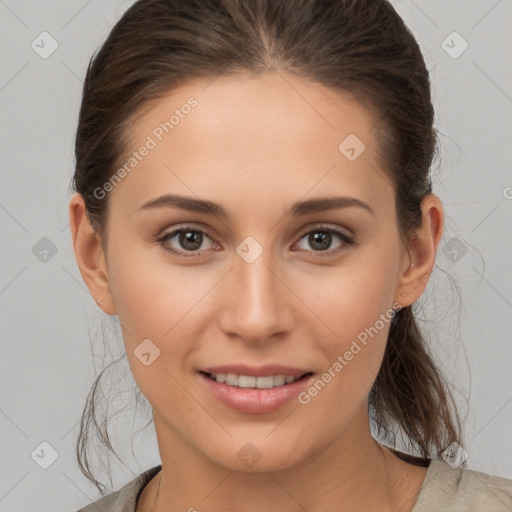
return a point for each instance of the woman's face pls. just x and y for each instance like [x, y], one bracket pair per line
[288, 263]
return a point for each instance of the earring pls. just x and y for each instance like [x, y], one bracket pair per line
[98, 301]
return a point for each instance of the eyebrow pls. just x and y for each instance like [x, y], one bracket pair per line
[208, 207]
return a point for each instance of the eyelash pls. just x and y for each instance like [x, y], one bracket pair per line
[347, 240]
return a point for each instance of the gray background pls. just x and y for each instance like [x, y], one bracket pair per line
[48, 317]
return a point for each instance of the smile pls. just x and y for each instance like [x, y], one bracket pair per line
[251, 381]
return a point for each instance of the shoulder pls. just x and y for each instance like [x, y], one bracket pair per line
[125, 499]
[458, 489]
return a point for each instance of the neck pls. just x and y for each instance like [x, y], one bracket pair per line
[353, 471]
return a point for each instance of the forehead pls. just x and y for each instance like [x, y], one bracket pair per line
[272, 134]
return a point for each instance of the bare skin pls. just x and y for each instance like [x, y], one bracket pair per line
[255, 146]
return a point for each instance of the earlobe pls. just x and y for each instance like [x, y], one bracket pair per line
[421, 252]
[89, 255]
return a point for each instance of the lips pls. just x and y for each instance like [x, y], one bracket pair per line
[255, 390]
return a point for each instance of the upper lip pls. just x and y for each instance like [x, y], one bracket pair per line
[257, 371]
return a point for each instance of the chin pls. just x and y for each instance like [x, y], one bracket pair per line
[259, 455]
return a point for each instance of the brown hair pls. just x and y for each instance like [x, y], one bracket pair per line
[360, 47]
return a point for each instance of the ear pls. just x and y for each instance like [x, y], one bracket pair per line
[89, 255]
[421, 252]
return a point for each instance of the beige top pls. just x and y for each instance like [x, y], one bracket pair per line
[445, 489]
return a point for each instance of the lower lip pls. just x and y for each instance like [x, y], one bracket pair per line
[253, 400]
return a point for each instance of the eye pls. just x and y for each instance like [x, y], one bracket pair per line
[187, 240]
[321, 238]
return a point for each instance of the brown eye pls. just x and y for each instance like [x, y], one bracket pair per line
[190, 240]
[321, 239]
[186, 240]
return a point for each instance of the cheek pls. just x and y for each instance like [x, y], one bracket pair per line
[353, 297]
[150, 295]
[161, 302]
[152, 300]
[355, 303]
[352, 364]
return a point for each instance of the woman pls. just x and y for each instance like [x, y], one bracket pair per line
[253, 202]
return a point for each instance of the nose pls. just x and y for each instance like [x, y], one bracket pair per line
[257, 304]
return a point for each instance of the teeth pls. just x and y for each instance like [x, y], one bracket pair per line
[279, 380]
[245, 381]
[250, 381]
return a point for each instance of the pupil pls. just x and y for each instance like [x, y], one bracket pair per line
[190, 240]
[322, 238]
